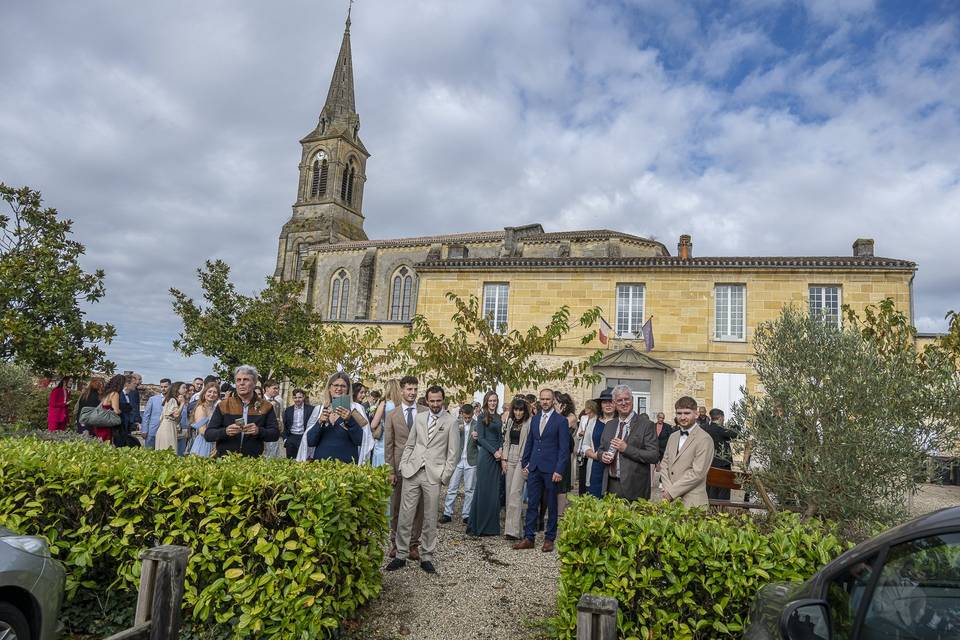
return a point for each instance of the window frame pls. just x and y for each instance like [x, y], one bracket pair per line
[339, 299]
[729, 337]
[637, 330]
[823, 297]
[401, 294]
[499, 328]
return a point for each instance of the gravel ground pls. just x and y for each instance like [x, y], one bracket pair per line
[482, 589]
[932, 497]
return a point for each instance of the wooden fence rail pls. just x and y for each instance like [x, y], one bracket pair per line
[157, 615]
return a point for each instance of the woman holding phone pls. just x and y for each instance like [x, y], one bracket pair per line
[336, 429]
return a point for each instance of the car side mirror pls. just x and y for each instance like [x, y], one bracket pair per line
[806, 620]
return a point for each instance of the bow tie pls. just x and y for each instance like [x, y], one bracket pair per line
[684, 433]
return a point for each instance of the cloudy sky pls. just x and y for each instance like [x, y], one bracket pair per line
[168, 130]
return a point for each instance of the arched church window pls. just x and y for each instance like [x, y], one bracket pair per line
[343, 182]
[320, 169]
[401, 294]
[339, 295]
[350, 186]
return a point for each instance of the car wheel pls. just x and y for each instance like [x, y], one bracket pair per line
[13, 626]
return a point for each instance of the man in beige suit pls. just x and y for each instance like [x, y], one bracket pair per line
[429, 458]
[687, 458]
[397, 426]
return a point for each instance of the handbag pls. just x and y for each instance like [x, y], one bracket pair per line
[99, 417]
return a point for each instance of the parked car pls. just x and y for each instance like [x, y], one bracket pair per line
[31, 588]
[904, 584]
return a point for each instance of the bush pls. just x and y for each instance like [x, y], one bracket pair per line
[22, 403]
[679, 573]
[279, 549]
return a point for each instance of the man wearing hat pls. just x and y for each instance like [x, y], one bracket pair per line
[595, 469]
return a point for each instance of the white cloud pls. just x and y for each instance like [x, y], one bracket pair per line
[170, 133]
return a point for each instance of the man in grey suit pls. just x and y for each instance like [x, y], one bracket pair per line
[466, 469]
[630, 446]
[428, 460]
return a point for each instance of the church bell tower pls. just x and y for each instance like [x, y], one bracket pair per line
[333, 170]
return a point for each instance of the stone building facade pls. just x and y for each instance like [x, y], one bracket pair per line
[704, 309]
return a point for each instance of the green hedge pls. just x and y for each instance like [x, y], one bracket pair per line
[280, 549]
[679, 573]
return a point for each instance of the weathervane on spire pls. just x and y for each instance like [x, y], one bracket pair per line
[349, 9]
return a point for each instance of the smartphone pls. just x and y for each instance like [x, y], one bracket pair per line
[343, 401]
[239, 422]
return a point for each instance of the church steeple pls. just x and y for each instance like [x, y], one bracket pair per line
[333, 169]
[340, 100]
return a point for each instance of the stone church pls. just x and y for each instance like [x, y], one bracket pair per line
[705, 308]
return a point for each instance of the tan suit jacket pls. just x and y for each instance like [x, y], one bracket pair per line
[395, 434]
[437, 455]
[684, 474]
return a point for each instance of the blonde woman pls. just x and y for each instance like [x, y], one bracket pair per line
[209, 398]
[174, 404]
[514, 438]
[391, 400]
[335, 432]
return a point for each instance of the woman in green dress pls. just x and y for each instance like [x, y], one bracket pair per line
[485, 510]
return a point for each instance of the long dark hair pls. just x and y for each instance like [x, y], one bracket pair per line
[566, 403]
[520, 403]
[172, 392]
[115, 385]
[488, 416]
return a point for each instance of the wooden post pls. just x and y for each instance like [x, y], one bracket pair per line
[157, 616]
[597, 618]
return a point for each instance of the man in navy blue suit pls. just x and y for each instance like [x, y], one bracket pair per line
[545, 457]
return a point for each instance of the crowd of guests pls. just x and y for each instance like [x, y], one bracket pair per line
[519, 460]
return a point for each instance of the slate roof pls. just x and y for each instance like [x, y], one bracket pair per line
[668, 262]
[630, 357]
[486, 236]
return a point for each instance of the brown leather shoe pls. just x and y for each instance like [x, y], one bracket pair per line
[414, 554]
[526, 543]
[547, 546]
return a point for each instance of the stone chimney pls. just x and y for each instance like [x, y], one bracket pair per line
[863, 248]
[685, 247]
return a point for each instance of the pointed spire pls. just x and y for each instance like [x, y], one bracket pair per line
[340, 100]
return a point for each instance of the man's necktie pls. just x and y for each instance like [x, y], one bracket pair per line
[409, 417]
[616, 453]
[432, 426]
[684, 433]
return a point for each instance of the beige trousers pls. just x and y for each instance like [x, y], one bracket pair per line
[513, 522]
[418, 490]
[395, 516]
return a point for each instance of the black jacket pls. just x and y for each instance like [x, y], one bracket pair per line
[662, 439]
[722, 455]
[260, 412]
[288, 418]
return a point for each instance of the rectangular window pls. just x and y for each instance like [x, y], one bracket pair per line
[629, 310]
[825, 303]
[731, 312]
[495, 304]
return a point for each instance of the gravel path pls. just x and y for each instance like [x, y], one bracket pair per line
[932, 497]
[482, 589]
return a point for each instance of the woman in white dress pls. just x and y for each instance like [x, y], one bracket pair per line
[173, 406]
[391, 398]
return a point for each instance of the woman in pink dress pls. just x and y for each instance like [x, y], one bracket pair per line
[57, 413]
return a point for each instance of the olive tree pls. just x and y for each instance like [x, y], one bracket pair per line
[844, 423]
